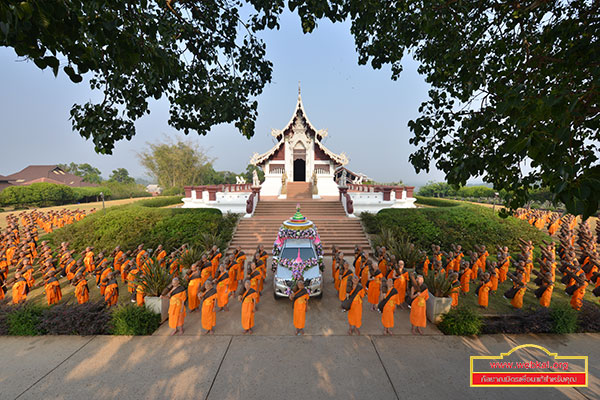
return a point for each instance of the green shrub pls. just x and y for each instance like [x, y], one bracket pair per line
[131, 319]
[564, 318]
[41, 194]
[461, 321]
[90, 193]
[174, 191]
[133, 224]
[370, 223]
[435, 202]
[161, 201]
[24, 320]
[465, 224]
[120, 190]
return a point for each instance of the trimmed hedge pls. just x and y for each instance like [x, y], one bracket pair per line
[144, 222]
[462, 321]
[133, 320]
[41, 194]
[465, 224]
[436, 202]
[77, 319]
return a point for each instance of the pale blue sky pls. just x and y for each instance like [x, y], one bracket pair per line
[365, 112]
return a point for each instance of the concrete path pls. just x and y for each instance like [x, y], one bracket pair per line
[269, 367]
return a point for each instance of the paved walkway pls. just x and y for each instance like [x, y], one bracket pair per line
[268, 367]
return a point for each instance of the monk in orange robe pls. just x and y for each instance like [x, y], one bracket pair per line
[19, 289]
[209, 311]
[374, 290]
[161, 255]
[215, 258]
[240, 260]
[359, 261]
[118, 258]
[82, 291]
[88, 259]
[299, 298]
[139, 258]
[546, 297]
[334, 258]
[365, 270]
[454, 288]
[401, 283]
[387, 306]
[177, 297]
[111, 293]
[194, 282]
[484, 290]
[517, 300]
[233, 273]
[222, 288]
[338, 271]
[140, 293]
[248, 300]
[577, 297]
[383, 261]
[465, 279]
[355, 297]
[254, 279]
[52, 289]
[418, 307]
[345, 275]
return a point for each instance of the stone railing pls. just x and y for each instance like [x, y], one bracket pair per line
[195, 192]
[386, 189]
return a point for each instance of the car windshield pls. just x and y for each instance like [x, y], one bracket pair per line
[292, 253]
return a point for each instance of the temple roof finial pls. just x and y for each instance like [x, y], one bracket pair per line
[298, 89]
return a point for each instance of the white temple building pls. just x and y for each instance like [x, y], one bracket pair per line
[299, 156]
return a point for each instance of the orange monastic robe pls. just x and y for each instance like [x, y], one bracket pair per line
[577, 298]
[177, 307]
[209, 312]
[248, 300]
[546, 297]
[343, 285]
[387, 316]
[418, 309]
[193, 287]
[300, 299]
[53, 292]
[465, 278]
[19, 291]
[214, 262]
[375, 289]
[111, 294]
[82, 292]
[355, 312]
[454, 292]
[517, 301]
[223, 289]
[400, 285]
[233, 282]
[483, 295]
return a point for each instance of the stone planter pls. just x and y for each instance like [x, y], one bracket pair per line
[159, 306]
[436, 306]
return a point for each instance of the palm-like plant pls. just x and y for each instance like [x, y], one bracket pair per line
[190, 256]
[398, 243]
[154, 278]
[438, 285]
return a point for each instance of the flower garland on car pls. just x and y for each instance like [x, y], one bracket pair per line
[298, 266]
[286, 233]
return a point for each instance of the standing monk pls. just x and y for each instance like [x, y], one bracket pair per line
[373, 292]
[344, 276]
[111, 293]
[248, 300]
[209, 311]
[193, 287]
[387, 305]
[299, 298]
[483, 290]
[19, 289]
[222, 288]
[52, 289]
[354, 297]
[177, 297]
[418, 308]
[82, 290]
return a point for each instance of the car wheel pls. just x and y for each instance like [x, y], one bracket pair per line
[276, 297]
[320, 295]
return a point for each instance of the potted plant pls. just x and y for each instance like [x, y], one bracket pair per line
[439, 301]
[154, 279]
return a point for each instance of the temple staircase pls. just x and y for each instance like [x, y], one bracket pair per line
[299, 190]
[332, 223]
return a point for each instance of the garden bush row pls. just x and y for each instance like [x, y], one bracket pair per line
[44, 194]
[464, 224]
[77, 319]
[145, 222]
[559, 319]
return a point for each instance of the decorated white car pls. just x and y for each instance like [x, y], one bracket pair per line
[297, 254]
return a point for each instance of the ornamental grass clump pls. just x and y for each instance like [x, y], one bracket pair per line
[462, 321]
[131, 319]
[438, 285]
[154, 278]
[564, 318]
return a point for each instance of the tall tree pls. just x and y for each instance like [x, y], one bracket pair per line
[121, 175]
[176, 163]
[515, 87]
[86, 171]
[203, 56]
